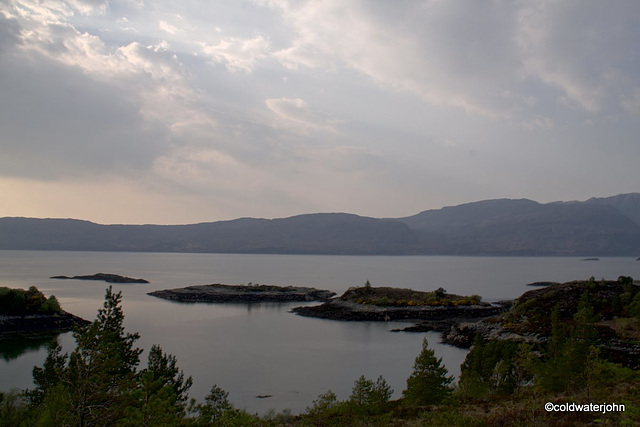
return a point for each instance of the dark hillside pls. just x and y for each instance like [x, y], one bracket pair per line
[627, 204]
[524, 227]
[598, 227]
[313, 234]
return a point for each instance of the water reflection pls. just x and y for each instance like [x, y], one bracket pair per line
[275, 307]
[15, 345]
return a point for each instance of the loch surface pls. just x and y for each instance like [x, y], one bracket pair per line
[255, 350]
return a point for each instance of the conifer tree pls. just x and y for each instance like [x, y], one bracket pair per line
[160, 393]
[369, 396]
[429, 383]
[165, 367]
[47, 377]
[102, 367]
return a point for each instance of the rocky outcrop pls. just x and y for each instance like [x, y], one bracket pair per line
[58, 322]
[623, 352]
[338, 309]
[463, 334]
[529, 319]
[109, 278]
[243, 293]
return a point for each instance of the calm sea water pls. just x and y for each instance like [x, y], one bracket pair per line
[263, 349]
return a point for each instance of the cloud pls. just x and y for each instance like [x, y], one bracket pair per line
[238, 54]
[349, 160]
[271, 107]
[9, 30]
[165, 26]
[74, 104]
[580, 47]
[467, 56]
[294, 114]
[537, 122]
[88, 7]
[57, 122]
[414, 49]
[197, 167]
[631, 102]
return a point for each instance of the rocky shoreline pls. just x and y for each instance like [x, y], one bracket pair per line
[338, 309]
[219, 293]
[529, 319]
[56, 322]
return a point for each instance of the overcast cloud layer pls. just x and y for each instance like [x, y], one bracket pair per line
[179, 112]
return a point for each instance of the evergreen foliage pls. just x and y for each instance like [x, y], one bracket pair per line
[368, 396]
[98, 383]
[160, 394]
[47, 377]
[489, 368]
[31, 301]
[429, 383]
[325, 408]
[217, 410]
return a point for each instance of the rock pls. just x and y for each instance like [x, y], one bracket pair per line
[62, 321]
[216, 293]
[109, 278]
[463, 334]
[338, 309]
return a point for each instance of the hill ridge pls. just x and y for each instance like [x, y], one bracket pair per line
[596, 227]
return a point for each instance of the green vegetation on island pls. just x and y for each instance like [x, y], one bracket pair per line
[398, 297]
[30, 301]
[504, 380]
[368, 303]
[608, 309]
[29, 311]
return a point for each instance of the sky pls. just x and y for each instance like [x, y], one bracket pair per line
[175, 112]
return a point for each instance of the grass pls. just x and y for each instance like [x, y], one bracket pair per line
[402, 297]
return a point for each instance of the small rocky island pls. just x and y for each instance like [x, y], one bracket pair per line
[105, 277]
[243, 293]
[29, 311]
[369, 303]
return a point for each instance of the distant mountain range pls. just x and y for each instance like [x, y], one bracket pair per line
[597, 227]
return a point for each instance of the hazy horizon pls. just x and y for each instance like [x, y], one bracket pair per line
[156, 112]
